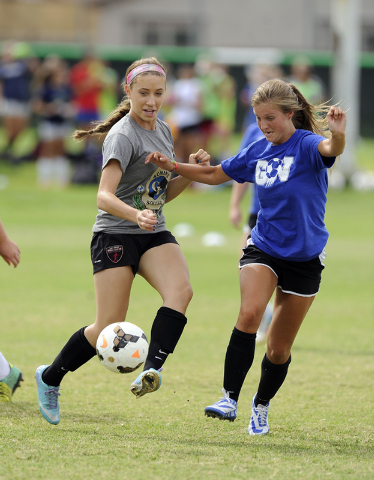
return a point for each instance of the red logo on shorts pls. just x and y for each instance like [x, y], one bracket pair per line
[114, 253]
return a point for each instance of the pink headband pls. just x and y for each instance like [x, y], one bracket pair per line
[146, 67]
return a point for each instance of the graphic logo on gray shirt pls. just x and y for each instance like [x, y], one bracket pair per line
[153, 195]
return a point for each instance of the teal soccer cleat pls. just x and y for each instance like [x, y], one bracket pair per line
[48, 398]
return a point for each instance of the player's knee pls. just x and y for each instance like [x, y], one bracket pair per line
[180, 296]
[250, 316]
[278, 354]
[187, 293]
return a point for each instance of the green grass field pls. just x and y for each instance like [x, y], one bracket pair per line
[321, 421]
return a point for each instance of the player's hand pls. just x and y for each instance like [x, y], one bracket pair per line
[161, 161]
[10, 252]
[201, 157]
[235, 216]
[336, 120]
[146, 220]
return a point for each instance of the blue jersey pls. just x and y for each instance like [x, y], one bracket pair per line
[292, 185]
[55, 95]
[15, 77]
[252, 134]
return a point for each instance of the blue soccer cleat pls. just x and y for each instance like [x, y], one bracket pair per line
[258, 424]
[224, 409]
[148, 381]
[48, 398]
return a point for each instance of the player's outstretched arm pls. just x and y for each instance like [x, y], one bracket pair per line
[197, 173]
[334, 146]
[8, 249]
[178, 184]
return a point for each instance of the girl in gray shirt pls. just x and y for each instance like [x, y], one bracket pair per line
[130, 235]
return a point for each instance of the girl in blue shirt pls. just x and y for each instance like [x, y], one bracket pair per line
[286, 248]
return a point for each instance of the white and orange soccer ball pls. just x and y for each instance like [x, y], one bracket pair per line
[122, 347]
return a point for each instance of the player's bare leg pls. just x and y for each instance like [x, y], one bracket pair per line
[165, 269]
[112, 291]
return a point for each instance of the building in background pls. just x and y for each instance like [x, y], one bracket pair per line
[290, 24]
[235, 34]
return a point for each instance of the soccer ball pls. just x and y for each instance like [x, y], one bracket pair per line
[122, 347]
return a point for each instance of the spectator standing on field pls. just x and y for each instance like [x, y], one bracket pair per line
[256, 74]
[16, 70]
[309, 84]
[109, 95]
[211, 79]
[185, 100]
[224, 124]
[87, 79]
[54, 112]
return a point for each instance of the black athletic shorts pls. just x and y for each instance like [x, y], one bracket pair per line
[110, 250]
[298, 278]
[252, 220]
[250, 225]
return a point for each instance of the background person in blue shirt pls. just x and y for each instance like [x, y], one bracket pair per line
[252, 134]
[286, 248]
[17, 66]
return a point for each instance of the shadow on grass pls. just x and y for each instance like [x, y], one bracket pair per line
[181, 439]
[15, 411]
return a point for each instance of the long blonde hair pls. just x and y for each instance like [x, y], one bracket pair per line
[100, 128]
[287, 98]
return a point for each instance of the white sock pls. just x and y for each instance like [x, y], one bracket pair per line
[61, 171]
[4, 367]
[44, 171]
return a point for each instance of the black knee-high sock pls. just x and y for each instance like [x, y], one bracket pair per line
[75, 353]
[166, 331]
[272, 378]
[239, 358]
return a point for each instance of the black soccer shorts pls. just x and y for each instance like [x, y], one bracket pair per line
[111, 250]
[298, 278]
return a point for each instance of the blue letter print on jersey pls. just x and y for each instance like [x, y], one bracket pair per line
[268, 171]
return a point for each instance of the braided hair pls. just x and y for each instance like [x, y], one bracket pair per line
[100, 128]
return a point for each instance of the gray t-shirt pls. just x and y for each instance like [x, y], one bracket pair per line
[141, 186]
